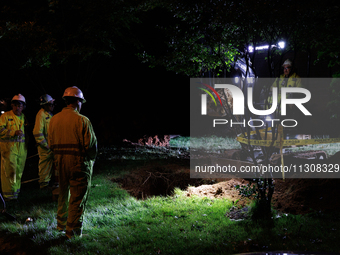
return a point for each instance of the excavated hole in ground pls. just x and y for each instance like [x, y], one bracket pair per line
[296, 196]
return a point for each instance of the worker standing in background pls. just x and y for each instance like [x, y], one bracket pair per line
[289, 78]
[13, 148]
[40, 132]
[74, 144]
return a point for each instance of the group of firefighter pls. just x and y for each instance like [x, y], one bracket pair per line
[66, 144]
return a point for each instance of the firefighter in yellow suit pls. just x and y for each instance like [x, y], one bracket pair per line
[74, 144]
[287, 79]
[40, 132]
[13, 148]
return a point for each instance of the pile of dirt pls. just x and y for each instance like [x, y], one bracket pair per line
[299, 196]
[224, 188]
[295, 196]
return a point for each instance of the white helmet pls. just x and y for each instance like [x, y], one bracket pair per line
[45, 99]
[74, 92]
[19, 97]
[287, 63]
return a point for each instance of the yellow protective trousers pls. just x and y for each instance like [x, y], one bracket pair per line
[74, 187]
[13, 154]
[40, 133]
[45, 166]
[12, 167]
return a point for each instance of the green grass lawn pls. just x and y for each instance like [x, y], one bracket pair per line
[116, 223]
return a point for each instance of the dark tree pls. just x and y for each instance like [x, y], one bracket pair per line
[205, 37]
[62, 43]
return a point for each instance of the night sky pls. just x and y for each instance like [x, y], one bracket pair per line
[126, 98]
[142, 100]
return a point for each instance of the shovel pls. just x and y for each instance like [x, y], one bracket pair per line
[3, 211]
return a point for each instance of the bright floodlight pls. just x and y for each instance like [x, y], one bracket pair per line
[264, 47]
[281, 44]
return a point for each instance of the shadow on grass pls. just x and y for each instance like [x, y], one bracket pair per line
[12, 243]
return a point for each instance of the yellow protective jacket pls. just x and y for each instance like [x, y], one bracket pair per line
[13, 153]
[9, 123]
[293, 81]
[71, 133]
[40, 131]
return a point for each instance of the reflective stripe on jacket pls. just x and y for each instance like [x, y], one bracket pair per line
[40, 131]
[71, 133]
[293, 81]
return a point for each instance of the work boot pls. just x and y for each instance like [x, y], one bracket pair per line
[61, 229]
[73, 233]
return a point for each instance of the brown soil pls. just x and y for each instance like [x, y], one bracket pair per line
[296, 196]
